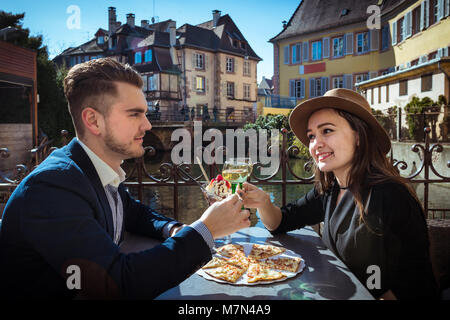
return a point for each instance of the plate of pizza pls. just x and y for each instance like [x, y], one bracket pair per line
[252, 264]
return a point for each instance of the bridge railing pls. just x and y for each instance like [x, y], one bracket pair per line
[229, 116]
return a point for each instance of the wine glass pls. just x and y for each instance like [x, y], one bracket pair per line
[236, 171]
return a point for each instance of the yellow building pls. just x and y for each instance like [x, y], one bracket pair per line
[421, 42]
[329, 45]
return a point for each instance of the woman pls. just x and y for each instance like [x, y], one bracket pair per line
[372, 218]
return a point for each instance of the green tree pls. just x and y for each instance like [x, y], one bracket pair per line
[279, 121]
[420, 114]
[53, 115]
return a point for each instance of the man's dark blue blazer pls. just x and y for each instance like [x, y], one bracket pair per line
[59, 216]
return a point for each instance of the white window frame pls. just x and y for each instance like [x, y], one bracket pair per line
[365, 46]
[338, 82]
[230, 64]
[246, 68]
[247, 91]
[199, 60]
[340, 43]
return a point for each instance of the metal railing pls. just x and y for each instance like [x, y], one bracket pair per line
[165, 114]
[171, 176]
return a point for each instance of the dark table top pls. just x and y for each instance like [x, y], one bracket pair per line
[324, 276]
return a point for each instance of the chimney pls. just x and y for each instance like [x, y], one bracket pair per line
[173, 41]
[284, 24]
[172, 33]
[130, 19]
[216, 16]
[112, 23]
[145, 23]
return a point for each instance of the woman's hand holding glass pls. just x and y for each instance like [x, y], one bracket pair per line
[253, 197]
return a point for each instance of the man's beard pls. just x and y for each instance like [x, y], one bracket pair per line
[122, 148]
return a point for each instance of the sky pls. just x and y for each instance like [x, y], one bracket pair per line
[258, 20]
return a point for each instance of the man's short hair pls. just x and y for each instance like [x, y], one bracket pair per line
[92, 84]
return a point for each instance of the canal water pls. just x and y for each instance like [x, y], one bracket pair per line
[191, 203]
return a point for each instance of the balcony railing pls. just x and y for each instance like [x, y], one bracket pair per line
[277, 101]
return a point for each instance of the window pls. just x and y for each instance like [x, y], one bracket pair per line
[200, 84]
[379, 94]
[152, 82]
[101, 40]
[230, 89]
[148, 56]
[435, 4]
[138, 57]
[243, 46]
[318, 86]
[427, 82]
[361, 77]
[246, 91]
[297, 88]
[316, 49]
[235, 43]
[247, 68]
[338, 82]
[338, 47]
[230, 65]
[403, 88]
[362, 45]
[199, 61]
[297, 53]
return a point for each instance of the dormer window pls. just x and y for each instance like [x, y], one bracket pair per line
[235, 43]
[148, 55]
[101, 40]
[243, 46]
[137, 57]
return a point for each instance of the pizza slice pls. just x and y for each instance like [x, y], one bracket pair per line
[290, 264]
[214, 263]
[239, 261]
[230, 250]
[262, 251]
[227, 272]
[256, 272]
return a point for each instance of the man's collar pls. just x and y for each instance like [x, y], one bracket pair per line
[107, 174]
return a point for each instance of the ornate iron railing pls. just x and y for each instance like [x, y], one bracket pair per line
[171, 176]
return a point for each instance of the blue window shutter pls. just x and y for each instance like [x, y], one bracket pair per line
[394, 33]
[286, 54]
[312, 88]
[326, 47]
[302, 93]
[305, 51]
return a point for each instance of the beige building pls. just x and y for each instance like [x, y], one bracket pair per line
[219, 70]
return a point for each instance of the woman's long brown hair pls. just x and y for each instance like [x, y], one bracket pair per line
[370, 166]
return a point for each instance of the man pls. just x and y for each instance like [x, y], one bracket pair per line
[69, 214]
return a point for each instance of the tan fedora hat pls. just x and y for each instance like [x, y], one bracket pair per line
[341, 99]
